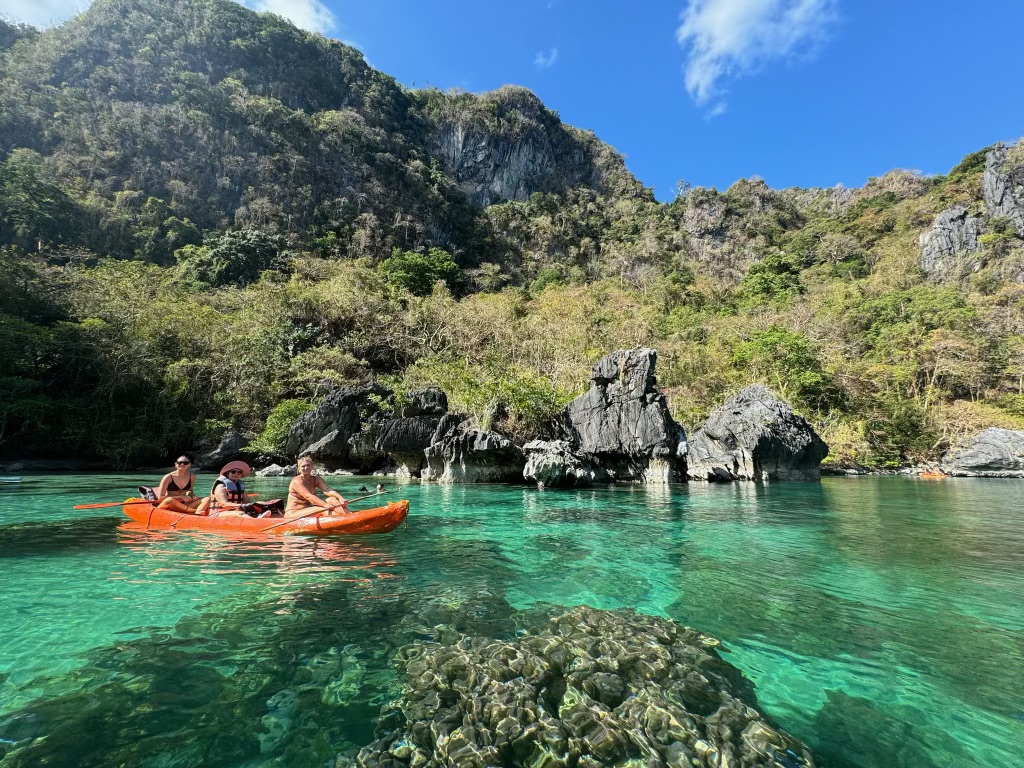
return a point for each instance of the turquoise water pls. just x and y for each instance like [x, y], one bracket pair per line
[881, 619]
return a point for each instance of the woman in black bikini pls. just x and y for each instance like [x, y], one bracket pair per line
[175, 490]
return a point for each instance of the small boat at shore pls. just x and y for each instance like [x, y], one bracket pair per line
[366, 521]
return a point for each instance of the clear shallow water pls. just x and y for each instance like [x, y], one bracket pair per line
[881, 619]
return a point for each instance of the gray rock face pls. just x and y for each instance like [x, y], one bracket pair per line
[401, 438]
[508, 146]
[465, 455]
[593, 688]
[992, 453]
[554, 465]
[755, 436]
[324, 432]
[231, 444]
[1003, 187]
[276, 470]
[947, 248]
[622, 422]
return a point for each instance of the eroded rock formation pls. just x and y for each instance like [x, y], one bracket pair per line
[593, 688]
[324, 432]
[461, 454]
[1003, 185]
[507, 144]
[949, 248]
[553, 464]
[400, 438]
[622, 424]
[755, 436]
[230, 445]
[992, 453]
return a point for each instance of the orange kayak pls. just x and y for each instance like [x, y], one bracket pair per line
[376, 520]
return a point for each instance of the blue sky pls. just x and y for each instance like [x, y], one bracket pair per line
[799, 92]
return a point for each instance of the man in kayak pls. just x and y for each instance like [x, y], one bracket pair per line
[302, 498]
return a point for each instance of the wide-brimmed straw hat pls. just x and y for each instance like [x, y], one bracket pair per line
[236, 465]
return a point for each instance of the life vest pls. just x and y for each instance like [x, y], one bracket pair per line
[235, 489]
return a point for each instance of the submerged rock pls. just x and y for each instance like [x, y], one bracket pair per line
[992, 453]
[592, 688]
[755, 436]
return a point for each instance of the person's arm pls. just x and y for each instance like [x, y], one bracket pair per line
[221, 494]
[334, 499]
[161, 490]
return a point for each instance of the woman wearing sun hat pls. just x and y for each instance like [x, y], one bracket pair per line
[228, 493]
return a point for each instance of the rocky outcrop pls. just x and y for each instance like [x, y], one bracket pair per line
[948, 249]
[593, 688]
[622, 423]
[402, 437]
[324, 432]
[992, 453]
[755, 436]
[553, 464]
[276, 470]
[506, 144]
[1003, 186]
[461, 454]
[231, 444]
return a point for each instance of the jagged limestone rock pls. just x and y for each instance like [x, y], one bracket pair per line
[755, 436]
[506, 144]
[592, 688]
[553, 464]
[460, 454]
[1003, 185]
[324, 432]
[403, 437]
[231, 444]
[949, 248]
[276, 470]
[992, 453]
[622, 423]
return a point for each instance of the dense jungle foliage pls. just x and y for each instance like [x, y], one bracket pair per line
[209, 218]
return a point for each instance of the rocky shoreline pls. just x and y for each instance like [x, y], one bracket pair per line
[619, 430]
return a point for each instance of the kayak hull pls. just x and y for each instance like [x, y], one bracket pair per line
[367, 521]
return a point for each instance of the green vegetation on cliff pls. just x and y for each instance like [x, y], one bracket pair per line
[210, 218]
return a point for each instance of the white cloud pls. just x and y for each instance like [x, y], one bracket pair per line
[731, 38]
[305, 14]
[545, 60]
[41, 13]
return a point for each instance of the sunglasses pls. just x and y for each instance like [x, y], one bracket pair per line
[234, 471]
[183, 463]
